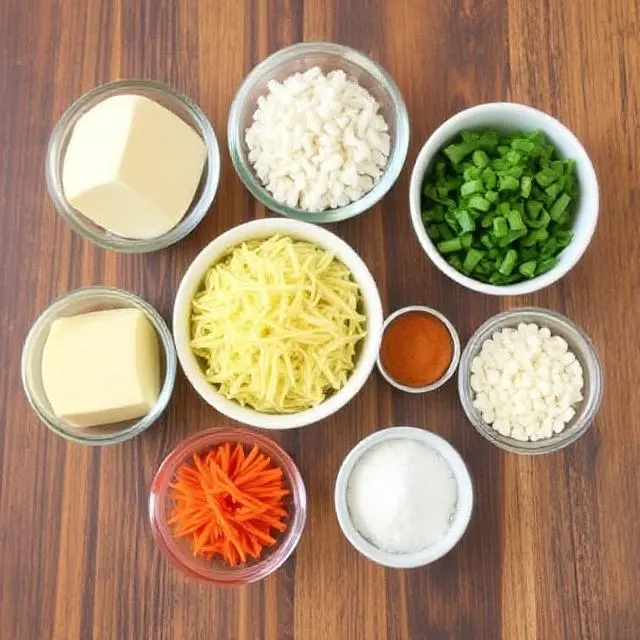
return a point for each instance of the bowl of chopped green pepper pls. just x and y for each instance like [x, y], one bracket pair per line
[504, 199]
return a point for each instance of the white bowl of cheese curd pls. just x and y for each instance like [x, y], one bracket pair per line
[366, 348]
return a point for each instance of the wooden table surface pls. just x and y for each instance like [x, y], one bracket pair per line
[552, 549]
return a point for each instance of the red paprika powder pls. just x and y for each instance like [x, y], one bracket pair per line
[416, 349]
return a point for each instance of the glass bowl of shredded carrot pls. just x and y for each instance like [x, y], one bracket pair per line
[227, 506]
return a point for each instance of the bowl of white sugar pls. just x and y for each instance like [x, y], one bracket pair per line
[403, 497]
[530, 381]
[318, 132]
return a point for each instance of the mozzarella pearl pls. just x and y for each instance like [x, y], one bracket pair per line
[526, 382]
[317, 141]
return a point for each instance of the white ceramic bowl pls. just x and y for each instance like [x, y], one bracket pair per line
[264, 228]
[461, 517]
[508, 116]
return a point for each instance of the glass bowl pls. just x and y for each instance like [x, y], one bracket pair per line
[178, 551]
[582, 348]
[178, 104]
[83, 301]
[328, 57]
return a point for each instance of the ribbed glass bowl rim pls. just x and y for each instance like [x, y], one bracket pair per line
[395, 162]
[197, 210]
[558, 441]
[233, 576]
[166, 344]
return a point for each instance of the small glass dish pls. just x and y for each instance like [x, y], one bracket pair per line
[179, 105]
[327, 56]
[84, 301]
[585, 352]
[455, 357]
[179, 553]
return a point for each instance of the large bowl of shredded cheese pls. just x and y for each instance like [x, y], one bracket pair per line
[277, 323]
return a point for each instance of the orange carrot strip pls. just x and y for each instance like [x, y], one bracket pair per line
[231, 537]
[251, 472]
[248, 461]
[237, 459]
[263, 537]
[201, 539]
[225, 455]
[241, 497]
[228, 502]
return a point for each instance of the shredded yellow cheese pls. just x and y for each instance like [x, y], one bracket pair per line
[276, 324]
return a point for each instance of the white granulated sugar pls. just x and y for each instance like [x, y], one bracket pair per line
[402, 496]
[526, 382]
[317, 141]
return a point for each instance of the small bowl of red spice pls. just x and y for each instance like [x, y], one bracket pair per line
[420, 349]
[227, 506]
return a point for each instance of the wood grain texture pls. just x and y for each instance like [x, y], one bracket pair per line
[551, 552]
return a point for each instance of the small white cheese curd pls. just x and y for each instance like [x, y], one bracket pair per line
[526, 382]
[324, 127]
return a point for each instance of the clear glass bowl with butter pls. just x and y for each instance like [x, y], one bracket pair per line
[83, 301]
[178, 105]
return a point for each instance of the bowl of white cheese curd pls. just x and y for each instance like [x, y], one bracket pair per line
[318, 132]
[99, 366]
[530, 381]
[133, 166]
[403, 497]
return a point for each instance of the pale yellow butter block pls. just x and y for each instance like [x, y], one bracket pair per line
[132, 166]
[101, 367]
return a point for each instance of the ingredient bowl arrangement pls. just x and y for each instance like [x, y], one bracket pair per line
[120, 155]
[103, 375]
[517, 218]
[229, 507]
[530, 385]
[403, 497]
[278, 323]
[366, 349]
[313, 134]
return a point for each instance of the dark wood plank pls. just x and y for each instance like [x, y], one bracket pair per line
[551, 551]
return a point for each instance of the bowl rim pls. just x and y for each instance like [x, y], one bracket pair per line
[395, 161]
[165, 343]
[434, 143]
[558, 441]
[197, 209]
[464, 504]
[262, 228]
[455, 356]
[236, 576]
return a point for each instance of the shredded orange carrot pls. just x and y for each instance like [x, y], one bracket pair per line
[227, 503]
